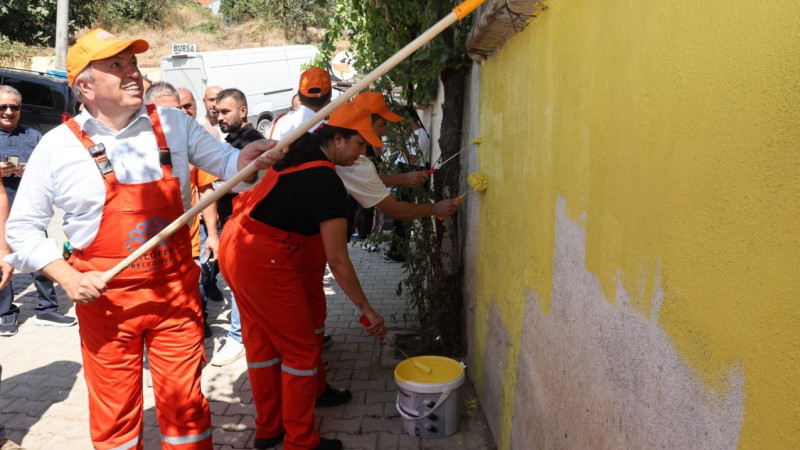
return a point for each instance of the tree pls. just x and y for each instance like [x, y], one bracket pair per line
[33, 22]
[376, 30]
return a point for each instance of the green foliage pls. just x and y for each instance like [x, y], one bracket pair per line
[123, 12]
[208, 27]
[238, 11]
[379, 28]
[33, 22]
[376, 30]
[294, 13]
[14, 52]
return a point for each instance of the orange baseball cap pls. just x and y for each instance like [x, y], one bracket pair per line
[315, 82]
[375, 104]
[98, 44]
[356, 118]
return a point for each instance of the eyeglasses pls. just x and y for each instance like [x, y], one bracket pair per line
[11, 107]
[187, 106]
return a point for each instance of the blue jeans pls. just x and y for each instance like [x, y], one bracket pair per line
[208, 277]
[2, 427]
[47, 297]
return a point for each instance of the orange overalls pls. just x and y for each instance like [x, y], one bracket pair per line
[275, 277]
[155, 301]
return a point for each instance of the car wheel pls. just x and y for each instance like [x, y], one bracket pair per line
[263, 126]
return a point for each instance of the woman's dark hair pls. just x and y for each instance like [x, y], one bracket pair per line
[300, 151]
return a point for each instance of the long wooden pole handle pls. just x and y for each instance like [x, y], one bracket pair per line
[458, 13]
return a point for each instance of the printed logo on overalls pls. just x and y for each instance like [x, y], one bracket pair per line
[161, 253]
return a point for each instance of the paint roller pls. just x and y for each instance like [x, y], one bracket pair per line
[423, 367]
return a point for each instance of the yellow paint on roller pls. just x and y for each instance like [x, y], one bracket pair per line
[422, 366]
[442, 370]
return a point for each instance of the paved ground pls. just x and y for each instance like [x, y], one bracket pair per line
[43, 400]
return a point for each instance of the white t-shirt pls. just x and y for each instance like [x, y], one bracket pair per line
[361, 179]
[362, 182]
[284, 124]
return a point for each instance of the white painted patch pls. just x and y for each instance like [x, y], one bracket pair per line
[593, 375]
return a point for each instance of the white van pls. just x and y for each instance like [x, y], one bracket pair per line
[268, 76]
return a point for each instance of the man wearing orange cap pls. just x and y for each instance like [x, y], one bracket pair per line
[120, 172]
[314, 93]
[297, 207]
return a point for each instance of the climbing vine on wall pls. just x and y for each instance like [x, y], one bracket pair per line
[376, 30]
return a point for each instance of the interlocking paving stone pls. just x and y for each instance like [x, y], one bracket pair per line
[43, 402]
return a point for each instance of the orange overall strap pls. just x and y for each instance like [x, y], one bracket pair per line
[98, 151]
[307, 165]
[163, 149]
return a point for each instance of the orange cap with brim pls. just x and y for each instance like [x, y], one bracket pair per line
[356, 118]
[315, 82]
[375, 104]
[96, 45]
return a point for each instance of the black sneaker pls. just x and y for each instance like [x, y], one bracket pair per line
[327, 341]
[263, 444]
[8, 325]
[54, 319]
[329, 444]
[333, 397]
[215, 294]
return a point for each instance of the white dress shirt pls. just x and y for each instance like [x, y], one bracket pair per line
[61, 173]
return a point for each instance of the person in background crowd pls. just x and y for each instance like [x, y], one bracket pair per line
[16, 144]
[6, 270]
[203, 249]
[210, 119]
[420, 140]
[119, 170]
[297, 209]
[314, 94]
[189, 106]
[231, 108]
[295, 102]
[365, 185]
[210, 269]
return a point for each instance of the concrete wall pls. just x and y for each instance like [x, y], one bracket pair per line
[633, 272]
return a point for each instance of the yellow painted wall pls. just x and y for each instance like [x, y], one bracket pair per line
[672, 131]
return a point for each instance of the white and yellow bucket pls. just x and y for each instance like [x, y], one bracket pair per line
[428, 402]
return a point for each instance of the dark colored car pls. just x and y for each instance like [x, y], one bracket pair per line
[45, 97]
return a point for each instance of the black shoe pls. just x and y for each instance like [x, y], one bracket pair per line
[327, 341]
[329, 444]
[8, 325]
[333, 397]
[393, 258]
[262, 444]
[213, 293]
[54, 319]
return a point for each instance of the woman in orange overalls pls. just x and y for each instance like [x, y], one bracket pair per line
[264, 258]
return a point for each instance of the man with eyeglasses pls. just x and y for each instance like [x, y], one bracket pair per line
[17, 144]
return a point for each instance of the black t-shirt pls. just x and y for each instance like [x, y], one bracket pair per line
[244, 136]
[301, 200]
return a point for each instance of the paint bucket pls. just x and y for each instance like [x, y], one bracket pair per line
[428, 402]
